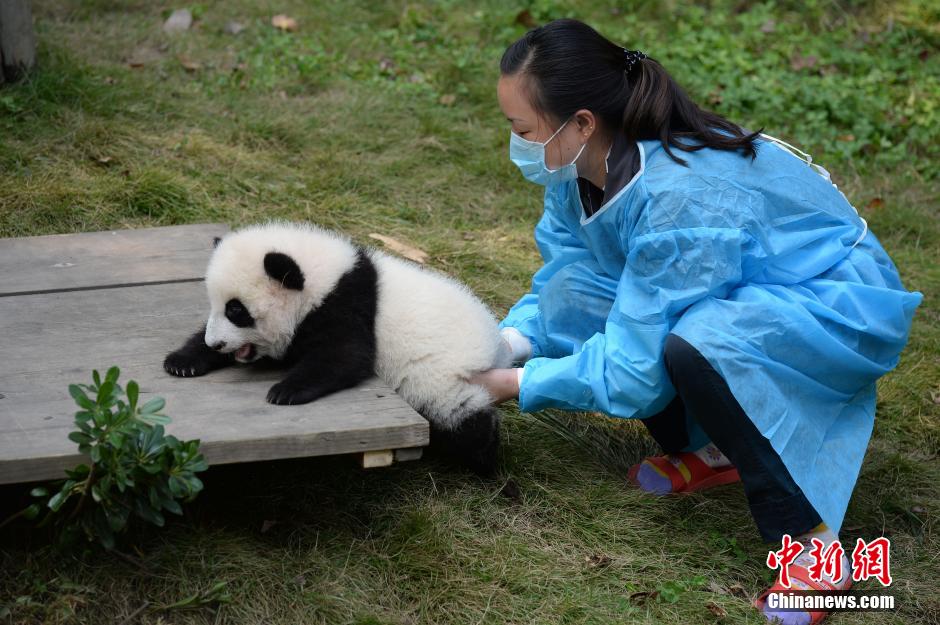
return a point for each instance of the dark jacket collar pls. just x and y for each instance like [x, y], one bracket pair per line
[622, 165]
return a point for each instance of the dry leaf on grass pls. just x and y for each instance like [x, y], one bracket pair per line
[525, 18]
[597, 560]
[188, 64]
[716, 609]
[143, 55]
[283, 22]
[643, 596]
[397, 246]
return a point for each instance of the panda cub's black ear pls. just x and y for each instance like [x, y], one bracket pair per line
[282, 268]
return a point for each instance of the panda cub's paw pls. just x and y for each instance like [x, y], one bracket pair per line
[288, 394]
[184, 364]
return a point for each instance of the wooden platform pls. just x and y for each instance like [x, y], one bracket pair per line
[73, 303]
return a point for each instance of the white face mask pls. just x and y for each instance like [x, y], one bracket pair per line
[529, 156]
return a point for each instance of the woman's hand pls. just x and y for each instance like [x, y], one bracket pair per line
[502, 384]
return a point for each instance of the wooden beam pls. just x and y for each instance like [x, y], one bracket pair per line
[17, 39]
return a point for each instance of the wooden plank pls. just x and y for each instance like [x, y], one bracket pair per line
[17, 39]
[105, 259]
[50, 340]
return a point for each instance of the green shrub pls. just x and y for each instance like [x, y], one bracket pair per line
[136, 468]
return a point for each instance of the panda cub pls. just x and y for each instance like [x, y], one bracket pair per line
[336, 314]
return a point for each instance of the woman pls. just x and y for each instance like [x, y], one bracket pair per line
[698, 277]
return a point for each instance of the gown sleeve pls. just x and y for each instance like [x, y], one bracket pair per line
[621, 372]
[559, 246]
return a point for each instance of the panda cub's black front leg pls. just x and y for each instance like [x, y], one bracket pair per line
[196, 358]
[315, 376]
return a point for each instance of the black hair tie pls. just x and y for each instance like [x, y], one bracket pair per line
[630, 57]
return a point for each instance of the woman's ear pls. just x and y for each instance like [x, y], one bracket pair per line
[586, 122]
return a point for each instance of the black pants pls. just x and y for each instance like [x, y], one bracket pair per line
[777, 503]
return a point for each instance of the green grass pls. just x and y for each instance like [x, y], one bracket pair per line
[343, 123]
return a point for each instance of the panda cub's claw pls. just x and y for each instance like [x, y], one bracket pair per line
[287, 394]
[185, 365]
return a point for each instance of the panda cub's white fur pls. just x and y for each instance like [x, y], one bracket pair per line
[432, 332]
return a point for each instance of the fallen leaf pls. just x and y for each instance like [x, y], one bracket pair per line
[737, 590]
[103, 160]
[179, 21]
[397, 246]
[283, 22]
[188, 64]
[142, 56]
[525, 18]
[597, 560]
[799, 62]
[448, 99]
[643, 596]
[233, 28]
[716, 609]
[876, 203]
[846, 137]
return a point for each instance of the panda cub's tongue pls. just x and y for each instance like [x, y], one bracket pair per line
[244, 351]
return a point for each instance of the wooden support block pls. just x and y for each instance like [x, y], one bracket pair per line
[17, 39]
[382, 458]
[408, 453]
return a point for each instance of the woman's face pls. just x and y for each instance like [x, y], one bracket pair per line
[528, 124]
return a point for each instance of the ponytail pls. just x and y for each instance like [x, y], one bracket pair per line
[571, 66]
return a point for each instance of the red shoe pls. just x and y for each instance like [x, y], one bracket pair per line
[801, 573]
[690, 475]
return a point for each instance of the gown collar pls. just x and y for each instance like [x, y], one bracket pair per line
[624, 164]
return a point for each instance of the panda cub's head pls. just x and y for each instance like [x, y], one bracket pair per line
[262, 282]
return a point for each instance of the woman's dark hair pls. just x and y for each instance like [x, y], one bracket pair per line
[569, 66]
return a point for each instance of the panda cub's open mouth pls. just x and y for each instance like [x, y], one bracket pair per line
[246, 353]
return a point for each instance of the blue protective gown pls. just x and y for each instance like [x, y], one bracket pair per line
[752, 262]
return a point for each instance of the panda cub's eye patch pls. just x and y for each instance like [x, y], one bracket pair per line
[236, 312]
